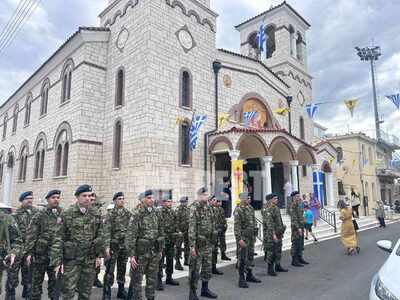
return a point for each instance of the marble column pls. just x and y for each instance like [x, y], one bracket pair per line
[234, 154]
[295, 182]
[267, 188]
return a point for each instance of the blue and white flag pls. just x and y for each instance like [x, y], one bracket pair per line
[261, 39]
[248, 116]
[319, 187]
[395, 99]
[311, 110]
[197, 122]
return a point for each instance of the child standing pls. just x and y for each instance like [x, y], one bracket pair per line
[309, 220]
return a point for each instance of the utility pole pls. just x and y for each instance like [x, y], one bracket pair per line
[372, 54]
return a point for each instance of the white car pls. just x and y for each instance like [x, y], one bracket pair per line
[386, 285]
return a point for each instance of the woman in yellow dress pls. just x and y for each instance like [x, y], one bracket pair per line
[348, 234]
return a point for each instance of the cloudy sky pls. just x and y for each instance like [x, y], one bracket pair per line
[337, 26]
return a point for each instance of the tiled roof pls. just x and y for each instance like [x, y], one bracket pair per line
[82, 28]
[272, 9]
[257, 61]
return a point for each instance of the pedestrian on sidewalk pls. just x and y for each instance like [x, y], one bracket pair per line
[380, 214]
[315, 207]
[309, 220]
[348, 234]
[355, 202]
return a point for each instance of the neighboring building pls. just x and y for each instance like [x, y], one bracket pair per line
[365, 167]
[319, 133]
[103, 108]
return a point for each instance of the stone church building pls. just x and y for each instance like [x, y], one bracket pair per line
[103, 109]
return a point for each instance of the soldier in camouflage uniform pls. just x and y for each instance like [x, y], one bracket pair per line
[40, 235]
[201, 230]
[97, 205]
[145, 243]
[78, 246]
[116, 225]
[274, 230]
[11, 249]
[169, 222]
[218, 227]
[182, 215]
[244, 228]
[23, 216]
[297, 226]
[222, 227]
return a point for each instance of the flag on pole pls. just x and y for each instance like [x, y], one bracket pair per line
[248, 116]
[261, 39]
[351, 105]
[395, 98]
[311, 110]
[197, 122]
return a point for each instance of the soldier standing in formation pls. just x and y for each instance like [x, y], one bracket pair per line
[115, 228]
[23, 216]
[200, 232]
[168, 219]
[274, 230]
[145, 242]
[222, 228]
[244, 228]
[297, 226]
[97, 205]
[78, 246]
[182, 215]
[11, 249]
[215, 240]
[40, 234]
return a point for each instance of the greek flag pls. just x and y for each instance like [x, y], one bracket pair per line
[311, 110]
[395, 99]
[261, 38]
[197, 122]
[248, 116]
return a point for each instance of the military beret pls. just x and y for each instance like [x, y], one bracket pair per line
[117, 195]
[148, 193]
[270, 196]
[184, 199]
[294, 193]
[52, 193]
[24, 195]
[83, 189]
[243, 196]
[202, 190]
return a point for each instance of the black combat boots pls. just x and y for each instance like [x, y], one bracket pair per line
[279, 268]
[121, 291]
[271, 270]
[224, 257]
[295, 262]
[251, 278]
[171, 281]
[178, 265]
[215, 271]
[205, 292]
[302, 261]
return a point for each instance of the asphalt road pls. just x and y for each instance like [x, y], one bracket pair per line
[332, 275]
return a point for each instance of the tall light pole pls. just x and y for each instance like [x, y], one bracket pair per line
[371, 55]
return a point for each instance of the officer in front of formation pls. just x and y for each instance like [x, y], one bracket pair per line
[274, 230]
[145, 243]
[244, 229]
[201, 230]
[115, 228]
[182, 215]
[23, 217]
[169, 222]
[78, 246]
[41, 232]
[11, 249]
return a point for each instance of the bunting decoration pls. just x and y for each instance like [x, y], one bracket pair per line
[351, 105]
[248, 116]
[282, 111]
[197, 122]
[222, 119]
[395, 98]
[311, 110]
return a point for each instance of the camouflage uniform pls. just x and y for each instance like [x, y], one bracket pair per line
[41, 233]
[98, 205]
[10, 243]
[76, 246]
[116, 226]
[297, 222]
[144, 241]
[222, 227]
[183, 215]
[218, 228]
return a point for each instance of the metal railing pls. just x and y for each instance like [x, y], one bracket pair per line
[329, 217]
[259, 224]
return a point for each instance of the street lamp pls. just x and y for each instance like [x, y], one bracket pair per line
[371, 55]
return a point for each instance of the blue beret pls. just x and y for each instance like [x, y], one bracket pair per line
[24, 195]
[184, 199]
[202, 190]
[52, 193]
[294, 193]
[117, 195]
[270, 196]
[148, 193]
[83, 189]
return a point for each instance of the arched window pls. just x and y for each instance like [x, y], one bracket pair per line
[299, 47]
[302, 130]
[15, 119]
[28, 108]
[186, 89]
[270, 36]
[117, 145]
[120, 87]
[184, 143]
[44, 97]
[66, 78]
[340, 155]
[23, 161]
[62, 153]
[39, 159]
[292, 41]
[253, 45]
[5, 126]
